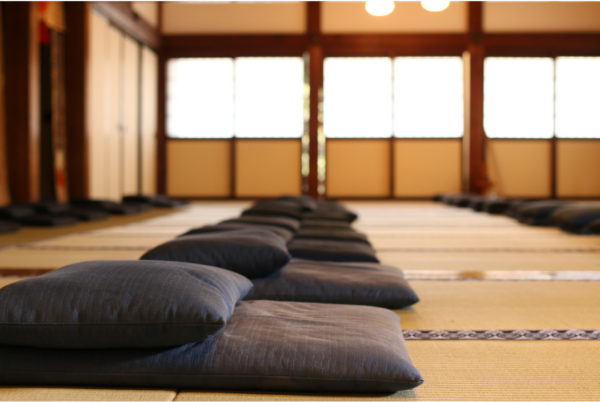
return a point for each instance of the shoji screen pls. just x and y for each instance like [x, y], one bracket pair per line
[130, 116]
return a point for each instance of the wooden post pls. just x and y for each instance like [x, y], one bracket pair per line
[315, 52]
[22, 92]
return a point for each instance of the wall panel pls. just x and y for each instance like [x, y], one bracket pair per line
[267, 168]
[358, 168]
[112, 102]
[578, 168]
[148, 120]
[423, 168]
[130, 116]
[199, 168]
[407, 17]
[541, 17]
[180, 18]
[520, 168]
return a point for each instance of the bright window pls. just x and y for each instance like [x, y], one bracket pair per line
[269, 97]
[200, 98]
[357, 97]
[428, 97]
[249, 97]
[578, 97]
[518, 97]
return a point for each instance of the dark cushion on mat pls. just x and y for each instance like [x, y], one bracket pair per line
[306, 202]
[476, 203]
[538, 212]
[49, 220]
[496, 206]
[363, 283]
[265, 346]
[9, 226]
[252, 253]
[108, 206]
[332, 250]
[119, 304]
[458, 200]
[286, 223]
[336, 215]
[575, 218]
[593, 228]
[330, 234]
[285, 234]
[14, 212]
[50, 207]
[159, 201]
[325, 223]
[276, 208]
[89, 214]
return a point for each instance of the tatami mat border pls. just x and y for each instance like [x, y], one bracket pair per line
[424, 275]
[503, 335]
[489, 250]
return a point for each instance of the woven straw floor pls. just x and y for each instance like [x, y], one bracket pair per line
[497, 275]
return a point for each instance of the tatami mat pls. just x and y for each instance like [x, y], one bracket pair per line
[84, 394]
[51, 259]
[459, 305]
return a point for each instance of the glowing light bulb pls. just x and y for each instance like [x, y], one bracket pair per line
[435, 5]
[379, 8]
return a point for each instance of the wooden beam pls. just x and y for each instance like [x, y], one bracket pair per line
[122, 16]
[398, 44]
[161, 140]
[233, 45]
[76, 68]
[542, 44]
[22, 94]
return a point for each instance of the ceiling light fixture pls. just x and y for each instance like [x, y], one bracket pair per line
[435, 5]
[379, 8]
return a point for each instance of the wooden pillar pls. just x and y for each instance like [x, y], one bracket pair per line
[477, 181]
[315, 52]
[76, 70]
[22, 95]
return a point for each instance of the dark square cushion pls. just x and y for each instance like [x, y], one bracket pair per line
[318, 233]
[338, 215]
[575, 218]
[285, 234]
[49, 220]
[363, 283]
[264, 209]
[593, 228]
[538, 213]
[325, 223]
[265, 346]
[252, 253]
[332, 250]
[119, 304]
[9, 226]
[286, 223]
[306, 202]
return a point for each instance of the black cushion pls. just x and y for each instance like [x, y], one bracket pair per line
[538, 212]
[50, 207]
[15, 212]
[119, 304]
[159, 201]
[252, 253]
[477, 203]
[285, 234]
[9, 226]
[306, 202]
[265, 346]
[276, 208]
[330, 234]
[286, 223]
[325, 223]
[337, 215]
[575, 218]
[88, 214]
[593, 228]
[331, 250]
[108, 206]
[361, 283]
[48, 220]
[496, 206]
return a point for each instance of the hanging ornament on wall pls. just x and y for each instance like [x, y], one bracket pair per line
[435, 5]
[379, 8]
